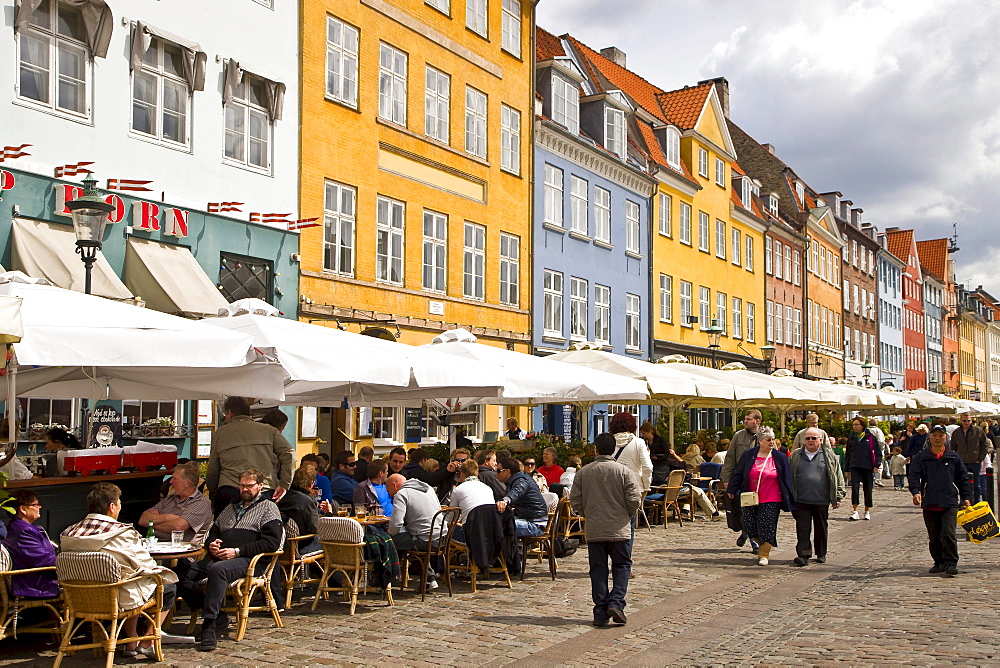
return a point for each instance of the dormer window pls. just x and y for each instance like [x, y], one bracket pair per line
[800, 192]
[673, 147]
[746, 192]
[565, 103]
[772, 203]
[614, 131]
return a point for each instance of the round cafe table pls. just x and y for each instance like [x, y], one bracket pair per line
[165, 552]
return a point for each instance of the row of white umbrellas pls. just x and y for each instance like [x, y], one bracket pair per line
[83, 346]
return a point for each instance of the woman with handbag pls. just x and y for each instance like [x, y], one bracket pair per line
[763, 483]
[863, 457]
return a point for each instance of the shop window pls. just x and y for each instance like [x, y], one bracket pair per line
[241, 277]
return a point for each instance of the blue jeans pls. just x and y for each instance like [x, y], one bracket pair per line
[527, 528]
[598, 554]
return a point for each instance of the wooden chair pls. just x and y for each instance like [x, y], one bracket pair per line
[91, 582]
[343, 541]
[12, 606]
[668, 502]
[294, 563]
[572, 525]
[544, 546]
[642, 512]
[442, 528]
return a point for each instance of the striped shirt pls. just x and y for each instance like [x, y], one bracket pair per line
[195, 509]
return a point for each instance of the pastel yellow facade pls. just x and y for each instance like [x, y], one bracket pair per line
[824, 303]
[707, 258]
[416, 157]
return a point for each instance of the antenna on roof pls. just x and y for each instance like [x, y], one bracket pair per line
[953, 242]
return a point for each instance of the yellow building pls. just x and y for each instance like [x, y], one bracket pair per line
[707, 264]
[416, 157]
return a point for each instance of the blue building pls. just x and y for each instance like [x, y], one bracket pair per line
[591, 231]
[890, 317]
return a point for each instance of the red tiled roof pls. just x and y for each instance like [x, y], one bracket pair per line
[683, 107]
[899, 243]
[933, 254]
[547, 45]
[655, 151]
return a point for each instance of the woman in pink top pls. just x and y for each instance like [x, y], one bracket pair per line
[763, 469]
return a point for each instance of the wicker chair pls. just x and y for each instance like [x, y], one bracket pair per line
[243, 590]
[666, 500]
[544, 546]
[90, 582]
[343, 541]
[294, 563]
[457, 549]
[440, 542]
[12, 606]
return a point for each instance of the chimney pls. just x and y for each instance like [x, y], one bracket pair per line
[892, 229]
[722, 90]
[614, 54]
[769, 148]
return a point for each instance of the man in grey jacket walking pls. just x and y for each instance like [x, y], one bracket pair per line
[817, 484]
[608, 495]
[970, 443]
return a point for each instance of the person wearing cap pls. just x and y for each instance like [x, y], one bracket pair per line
[939, 483]
[970, 443]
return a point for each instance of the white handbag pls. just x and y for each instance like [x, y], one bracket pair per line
[753, 498]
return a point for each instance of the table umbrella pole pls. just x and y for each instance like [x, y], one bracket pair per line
[11, 369]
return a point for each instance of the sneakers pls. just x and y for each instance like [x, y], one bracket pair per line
[617, 615]
[868, 515]
[854, 516]
[951, 569]
[716, 516]
[800, 561]
[762, 561]
[432, 584]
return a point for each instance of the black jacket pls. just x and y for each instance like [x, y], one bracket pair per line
[914, 444]
[489, 478]
[942, 483]
[524, 497]
[484, 535]
[971, 445]
[659, 452]
[861, 448]
[740, 482]
[299, 506]
[415, 470]
[360, 470]
[259, 529]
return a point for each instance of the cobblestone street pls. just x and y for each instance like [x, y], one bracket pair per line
[696, 600]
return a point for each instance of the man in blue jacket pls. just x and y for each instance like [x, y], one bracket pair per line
[939, 483]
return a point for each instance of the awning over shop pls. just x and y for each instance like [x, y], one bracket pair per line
[169, 279]
[49, 250]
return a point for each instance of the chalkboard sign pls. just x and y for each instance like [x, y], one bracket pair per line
[413, 424]
[105, 427]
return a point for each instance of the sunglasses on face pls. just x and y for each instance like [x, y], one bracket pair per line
[461, 460]
[529, 463]
[812, 438]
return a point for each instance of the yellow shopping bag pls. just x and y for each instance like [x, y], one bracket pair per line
[979, 522]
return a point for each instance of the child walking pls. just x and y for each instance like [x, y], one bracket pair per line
[897, 468]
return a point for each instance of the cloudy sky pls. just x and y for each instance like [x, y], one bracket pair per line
[894, 103]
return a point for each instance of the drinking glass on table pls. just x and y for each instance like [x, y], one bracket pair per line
[362, 512]
[176, 538]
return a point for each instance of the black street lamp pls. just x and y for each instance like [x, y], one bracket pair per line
[767, 351]
[866, 370]
[714, 336]
[90, 214]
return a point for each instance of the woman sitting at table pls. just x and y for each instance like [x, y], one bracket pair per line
[693, 459]
[765, 470]
[30, 547]
[56, 440]
[299, 505]
[321, 486]
[549, 468]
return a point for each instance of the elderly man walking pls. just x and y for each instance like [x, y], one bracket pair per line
[742, 441]
[608, 494]
[817, 484]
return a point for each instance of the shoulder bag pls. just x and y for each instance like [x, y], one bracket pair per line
[753, 498]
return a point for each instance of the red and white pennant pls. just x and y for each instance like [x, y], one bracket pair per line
[132, 185]
[222, 207]
[302, 224]
[269, 218]
[14, 152]
[73, 169]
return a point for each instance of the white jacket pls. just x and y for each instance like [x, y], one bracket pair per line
[634, 453]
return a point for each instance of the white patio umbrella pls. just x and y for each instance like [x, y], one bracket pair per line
[326, 365]
[669, 386]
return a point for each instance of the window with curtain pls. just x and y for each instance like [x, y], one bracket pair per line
[248, 125]
[161, 98]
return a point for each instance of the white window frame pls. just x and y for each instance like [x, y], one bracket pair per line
[777, 265]
[602, 214]
[779, 323]
[249, 112]
[702, 162]
[552, 303]
[735, 246]
[476, 104]
[477, 17]
[720, 239]
[704, 307]
[578, 204]
[789, 325]
[437, 104]
[704, 225]
[673, 147]
[769, 320]
[614, 131]
[510, 27]
[340, 223]
[578, 309]
[57, 46]
[633, 322]
[788, 263]
[798, 328]
[632, 236]
[666, 298]
[565, 103]
[737, 318]
[342, 62]
[553, 195]
[768, 255]
[602, 314]
[665, 221]
[510, 269]
[686, 303]
[392, 75]
[720, 172]
[721, 304]
[443, 6]
[797, 267]
[386, 417]
[474, 261]
[390, 224]
[685, 224]
[162, 80]
[510, 139]
[434, 253]
[748, 254]
[751, 320]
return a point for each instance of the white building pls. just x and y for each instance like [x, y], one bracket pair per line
[890, 314]
[199, 98]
